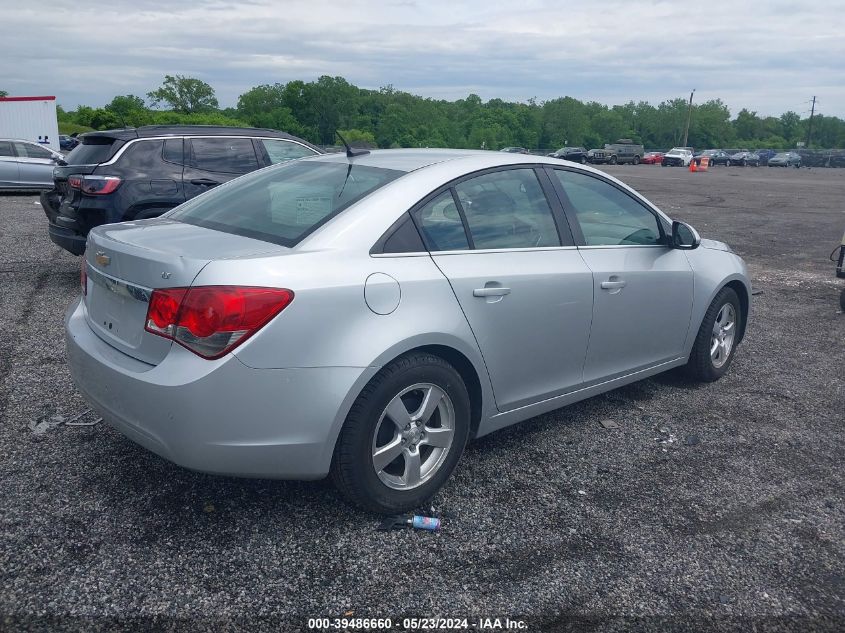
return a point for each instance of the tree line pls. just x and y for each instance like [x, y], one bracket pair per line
[392, 118]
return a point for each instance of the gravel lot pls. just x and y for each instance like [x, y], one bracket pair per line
[711, 508]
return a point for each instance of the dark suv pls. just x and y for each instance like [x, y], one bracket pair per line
[138, 173]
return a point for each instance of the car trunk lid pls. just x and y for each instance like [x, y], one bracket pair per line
[126, 262]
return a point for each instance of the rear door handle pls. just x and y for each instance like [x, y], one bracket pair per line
[208, 182]
[612, 285]
[493, 291]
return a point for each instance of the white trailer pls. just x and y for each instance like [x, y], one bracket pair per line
[31, 119]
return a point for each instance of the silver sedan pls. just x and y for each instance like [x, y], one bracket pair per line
[367, 315]
[26, 166]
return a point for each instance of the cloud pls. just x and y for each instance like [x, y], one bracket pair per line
[769, 57]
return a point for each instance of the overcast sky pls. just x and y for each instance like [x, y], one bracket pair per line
[766, 55]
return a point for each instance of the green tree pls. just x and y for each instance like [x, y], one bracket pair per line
[264, 106]
[185, 94]
[3, 93]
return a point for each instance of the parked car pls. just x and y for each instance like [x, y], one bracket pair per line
[711, 154]
[514, 150]
[785, 159]
[740, 158]
[138, 173]
[677, 156]
[765, 155]
[67, 142]
[26, 166]
[366, 316]
[575, 154]
[622, 151]
[723, 157]
[652, 158]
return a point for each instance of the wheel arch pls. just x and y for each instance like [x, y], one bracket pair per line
[468, 374]
[741, 291]
[454, 351]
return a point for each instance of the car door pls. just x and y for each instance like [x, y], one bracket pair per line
[523, 286]
[213, 160]
[643, 289]
[35, 165]
[9, 172]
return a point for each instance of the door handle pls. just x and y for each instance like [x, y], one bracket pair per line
[613, 285]
[493, 291]
[205, 182]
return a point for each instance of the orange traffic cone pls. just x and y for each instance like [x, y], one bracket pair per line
[692, 166]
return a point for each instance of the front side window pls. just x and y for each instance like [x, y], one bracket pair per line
[283, 204]
[507, 209]
[279, 151]
[441, 224]
[25, 150]
[608, 216]
[223, 155]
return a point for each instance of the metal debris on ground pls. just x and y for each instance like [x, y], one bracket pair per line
[609, 424]
[79, 420]
[43, 426]
[40, 428]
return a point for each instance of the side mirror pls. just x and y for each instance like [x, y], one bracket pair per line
[684, 236]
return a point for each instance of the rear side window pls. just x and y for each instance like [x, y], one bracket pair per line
[508, 209]
[223, 155]
[440, 223]
[27, 150]
[279, 151]
[6, 148]
[90, 153]
[284, 204]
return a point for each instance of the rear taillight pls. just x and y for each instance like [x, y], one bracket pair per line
[94, 185]
[213, 320]
[83, 276]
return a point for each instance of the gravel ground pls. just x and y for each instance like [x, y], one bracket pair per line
[711, 507]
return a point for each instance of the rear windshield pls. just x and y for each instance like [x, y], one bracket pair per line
[283, 204]
[87, 153]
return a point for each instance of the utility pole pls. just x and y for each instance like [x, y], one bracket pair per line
[689, 115]
[810, 127]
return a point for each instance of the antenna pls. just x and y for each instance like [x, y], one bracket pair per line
[351, 153]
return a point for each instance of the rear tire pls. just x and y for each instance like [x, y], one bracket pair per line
[635, 160]
[727, 163]
[715, 344]
[842, 300]
[423, 462]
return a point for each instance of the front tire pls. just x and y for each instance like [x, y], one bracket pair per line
[403, 436]
[715, 344]
[613, 160]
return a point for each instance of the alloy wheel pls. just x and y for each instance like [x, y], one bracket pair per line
[724, 332]
[413, 436]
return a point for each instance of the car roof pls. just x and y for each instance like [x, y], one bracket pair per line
[21, 140]
[408, 160]
[147, 131]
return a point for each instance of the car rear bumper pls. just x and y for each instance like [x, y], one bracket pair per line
[68, 239]
[217, 416]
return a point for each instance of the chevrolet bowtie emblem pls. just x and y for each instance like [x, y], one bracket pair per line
[103, 259]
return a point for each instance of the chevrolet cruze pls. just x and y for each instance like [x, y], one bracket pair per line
[365, 315]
